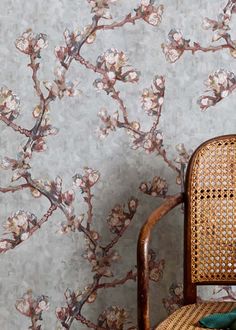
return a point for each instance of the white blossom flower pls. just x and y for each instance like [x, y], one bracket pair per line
[171, 54]
[220, 83]
[5, 245]
[29, 42]
[24, 236]
[9, 103]
[145, 2]
[153, 98]
[43, 305]
[101, 7]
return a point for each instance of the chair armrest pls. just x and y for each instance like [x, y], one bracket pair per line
[142, 258]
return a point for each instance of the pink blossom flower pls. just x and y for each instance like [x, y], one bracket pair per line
[175, 46]
[88, 180]
[5, 245]
[183, 154]
[154, 15]
[68, 197]
[175, 299]
[39, 145]
[221, 84]
[153, 98]
[20, 223]
[9, 103]
[113, 317]
[101, 8]
[30, 43]
[114, 63]
[62, 313]
[61, 53]
[157, 187]
[110, 122]
[32, 306]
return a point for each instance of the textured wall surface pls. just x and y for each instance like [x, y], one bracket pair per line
[49, 262]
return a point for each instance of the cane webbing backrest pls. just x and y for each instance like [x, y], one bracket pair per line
[211, 193]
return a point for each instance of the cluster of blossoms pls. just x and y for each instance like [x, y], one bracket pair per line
[220, 83]
[151, 14]
[45, 128]
[32, 306]
[9, 103]
[30, 43]
[65, 198]
[158, 187]
[18, 166]
[175, 46]
[8, 163]
[119, 219]
[175, 300]
[114, 64]
[72, 225]
[221, 25]
[110, 122]
[100, 262]
[183, 155]
[152, 98]
[150, 141]
[156, 268]
[19, 225]
[61, 87]
[86, 181]
[101, 8]
[72, 298]
[113, 317]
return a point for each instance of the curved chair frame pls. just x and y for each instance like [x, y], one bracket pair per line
[144, 239]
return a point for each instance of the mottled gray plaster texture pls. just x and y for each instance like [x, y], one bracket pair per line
[49, 262]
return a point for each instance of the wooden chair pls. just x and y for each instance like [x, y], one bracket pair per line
[209, 234]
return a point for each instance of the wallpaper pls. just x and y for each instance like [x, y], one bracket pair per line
[101, 104]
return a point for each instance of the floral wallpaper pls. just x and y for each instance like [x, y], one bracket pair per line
[101, 105]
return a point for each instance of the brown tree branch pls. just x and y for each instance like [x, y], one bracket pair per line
[14, 188]
[89, 323]
[129, 276]
[34, 65]
[213, 49]
[116, 96]
[88, 201]
[127, 19]
[15, 127]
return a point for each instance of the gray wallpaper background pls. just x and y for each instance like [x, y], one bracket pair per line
[48, 262]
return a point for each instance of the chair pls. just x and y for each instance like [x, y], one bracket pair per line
[209, 234]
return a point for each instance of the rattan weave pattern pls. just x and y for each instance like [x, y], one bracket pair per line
[213, 217]
[187, 317]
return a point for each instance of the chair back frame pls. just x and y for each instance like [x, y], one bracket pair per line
[145, 233]
[225, 144]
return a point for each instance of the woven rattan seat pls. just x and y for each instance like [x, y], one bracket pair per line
[187, 317]
[209, 200]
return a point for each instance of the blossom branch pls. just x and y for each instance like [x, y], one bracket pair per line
[15, 127]
[88, 201]
[34, 65]
[22, 225]
[76, 306]
[116, 96]
[177, 45]
[101, 258]
[127, 19]
[89, 323]
[14, 188]
[129, 276]
[126, 124]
